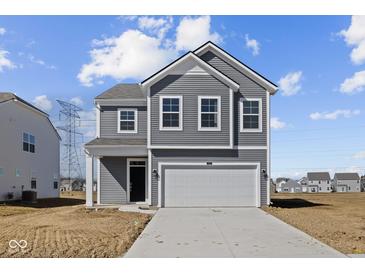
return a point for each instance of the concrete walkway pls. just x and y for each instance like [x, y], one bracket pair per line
[224, 232]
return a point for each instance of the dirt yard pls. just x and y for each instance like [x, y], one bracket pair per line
[62, 227]
[337, 219]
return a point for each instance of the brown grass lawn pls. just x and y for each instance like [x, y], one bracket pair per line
[337, 219]
[62, 227]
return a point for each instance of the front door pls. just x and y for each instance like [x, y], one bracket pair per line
[137, 180]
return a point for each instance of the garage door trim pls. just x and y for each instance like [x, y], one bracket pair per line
[257, 164]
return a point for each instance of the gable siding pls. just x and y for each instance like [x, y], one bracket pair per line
[248, 89]
[190, 87]
[109, 122]
[251, 155]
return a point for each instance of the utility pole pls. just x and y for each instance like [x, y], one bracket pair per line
[70, 117]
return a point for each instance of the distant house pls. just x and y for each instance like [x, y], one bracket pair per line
[304, 183]
[363, 183]
[29, 150]
[291, 186]
[280, 181]
[319, 182]
[347, 182]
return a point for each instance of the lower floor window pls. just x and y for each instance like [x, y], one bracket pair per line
[33, 184]
[55, 185]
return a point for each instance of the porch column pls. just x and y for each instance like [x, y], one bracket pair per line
[89, 180]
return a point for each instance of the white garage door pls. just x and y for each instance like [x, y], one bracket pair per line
[210, 187]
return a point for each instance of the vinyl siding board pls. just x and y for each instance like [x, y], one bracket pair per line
[251, 155]
[113, 180]
[190, 87]
[248, 89]
[109, 122]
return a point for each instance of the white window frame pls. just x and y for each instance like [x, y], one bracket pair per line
[180, 127]
[218, 128]
[135, 120]
[259, 129]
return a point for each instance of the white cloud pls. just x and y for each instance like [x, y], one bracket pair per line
[157, 26]
[290, 83]
[359, 155]
[345, 113]
[77, 101]
[2, 31]
[5, 62]
[275, 123]
[88, 123]
[355, 37]
[40, 62]
[354, 84]
[43, 103]
[253, 45]
[192, 32]
[131, 55]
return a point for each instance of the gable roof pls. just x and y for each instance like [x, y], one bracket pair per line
[317, 176]
[123, 91]
[9, 96]
[251, 73]
[347, 176]
[190, 55]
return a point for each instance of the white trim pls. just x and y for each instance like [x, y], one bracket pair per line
[158, 76]
[231, 118]
[268, 142]
[135, 120]
[180, 97]
[250, 147]
[249, 72]
[214, 163]
[128, 176]
[98, 121]
[149, 177]
[241, 115]
[219, 113]
[98, 184]
[187, 147]
[148, 119]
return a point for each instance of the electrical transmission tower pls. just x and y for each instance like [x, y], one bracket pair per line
[70, 156]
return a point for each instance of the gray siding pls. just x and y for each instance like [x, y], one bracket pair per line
[248, 89]
[109, 122]
[113, 180]
[253, 155]
[190, 87]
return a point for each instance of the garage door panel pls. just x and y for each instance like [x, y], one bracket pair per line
[188, 187]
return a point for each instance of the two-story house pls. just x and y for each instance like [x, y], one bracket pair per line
[29, 150]
[195, 133]
[319, 182]
[347, 182]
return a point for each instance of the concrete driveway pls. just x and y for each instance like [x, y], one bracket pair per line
[224, 232]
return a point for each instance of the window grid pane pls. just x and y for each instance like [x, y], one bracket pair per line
[251, 114]
[127, 120]
[209, 113]
[171, 112]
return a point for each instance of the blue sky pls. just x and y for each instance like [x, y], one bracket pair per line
[319, 63]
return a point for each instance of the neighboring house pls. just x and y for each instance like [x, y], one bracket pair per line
[288, 185]
[195, 133]
[363, 183]
[280, 181]
[30, 150]
[347, 182]
[319, 182]
[73, 185]
[304, 183]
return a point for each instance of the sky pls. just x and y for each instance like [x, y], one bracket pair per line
[318, 62]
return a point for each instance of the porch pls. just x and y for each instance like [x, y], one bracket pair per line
[122, 166]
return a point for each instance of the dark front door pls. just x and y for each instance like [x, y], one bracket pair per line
[137, 186]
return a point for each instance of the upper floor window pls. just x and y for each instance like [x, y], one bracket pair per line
[1, 171]
[250, 115]
[28, 142]
[209, 113]
[33, 183]
[127, 120]
[171, 113]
